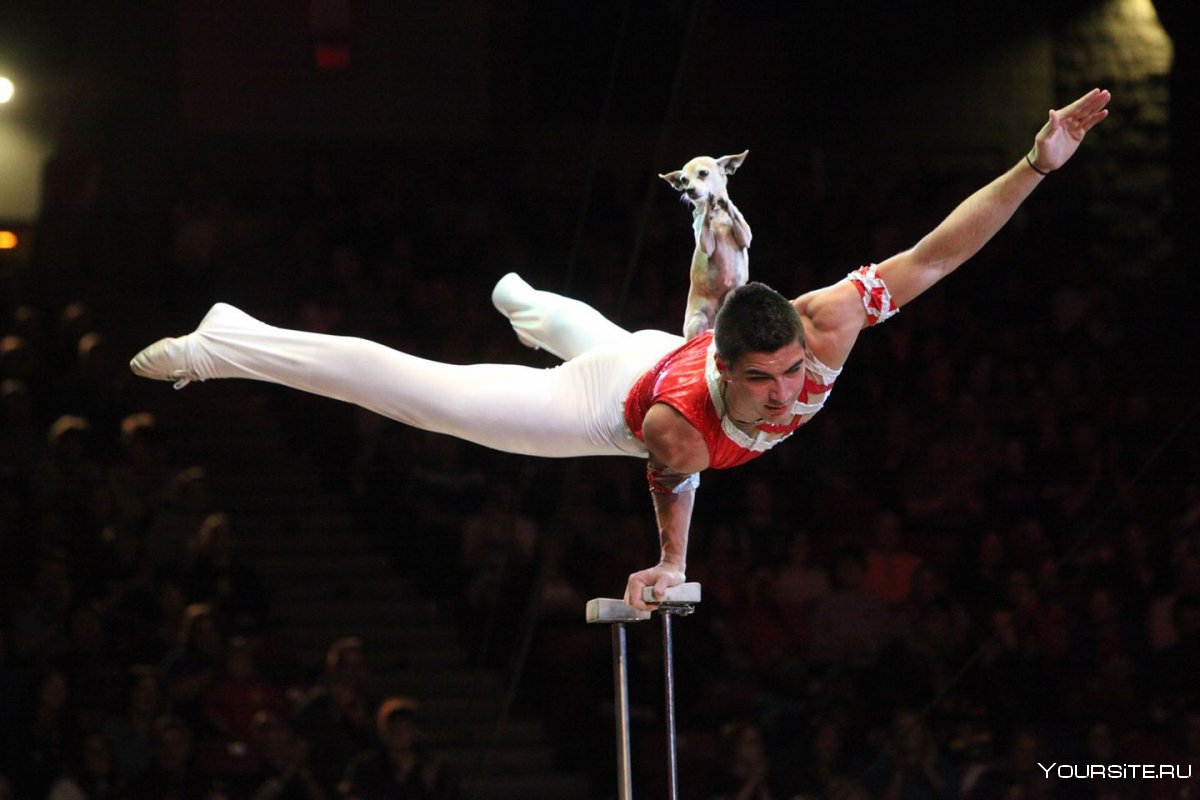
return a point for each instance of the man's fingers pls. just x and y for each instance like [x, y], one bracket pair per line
[1094, 118]
[1091, 103]
[633, 594]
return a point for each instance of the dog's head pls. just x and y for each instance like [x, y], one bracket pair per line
[704, 177]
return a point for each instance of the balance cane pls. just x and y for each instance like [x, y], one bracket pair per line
[676, 601]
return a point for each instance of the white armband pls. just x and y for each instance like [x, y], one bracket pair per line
[664, 481]
[877, 300]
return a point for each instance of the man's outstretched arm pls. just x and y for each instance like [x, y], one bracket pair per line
[969, 227]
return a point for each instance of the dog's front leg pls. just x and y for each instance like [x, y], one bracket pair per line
[706, 240]
[741, 228]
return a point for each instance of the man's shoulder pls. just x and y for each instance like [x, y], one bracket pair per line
[833, 308]
[833, 318]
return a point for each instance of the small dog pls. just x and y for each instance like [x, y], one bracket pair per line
[721, 262]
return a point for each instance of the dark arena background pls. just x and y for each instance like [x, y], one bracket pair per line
[981, 560]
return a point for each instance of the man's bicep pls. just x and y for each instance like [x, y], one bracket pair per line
[672, 441]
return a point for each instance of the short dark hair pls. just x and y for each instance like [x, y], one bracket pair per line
[755, 319]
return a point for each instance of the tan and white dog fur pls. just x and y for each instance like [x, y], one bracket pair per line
[721, 261]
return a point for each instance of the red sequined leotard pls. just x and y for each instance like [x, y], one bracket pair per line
[687, 380]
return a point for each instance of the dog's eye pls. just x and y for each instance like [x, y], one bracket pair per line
[703, 173]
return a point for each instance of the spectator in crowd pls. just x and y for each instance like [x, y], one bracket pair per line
[95, 674]
[913, 766]
[1162, 622]
[173, 773]
[890, 568]
[130, 733]
[284, 772]
[796, 584]
[826, 763]
[401, 766]
[139, 473]
[22, 445]
[219, 576]
[498, 549]
[67, 480]
[38, 741]
[239, 695]
[335, 717]
[190, 669]
[747, 771]
[91, 774]
[186, 503]
[850, 625]
[1175, 668]
[38, 616]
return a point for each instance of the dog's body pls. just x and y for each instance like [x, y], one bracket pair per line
[721, 260]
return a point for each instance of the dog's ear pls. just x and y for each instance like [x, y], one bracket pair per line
[673, 179]
[730, 164]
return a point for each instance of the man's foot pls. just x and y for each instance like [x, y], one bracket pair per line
[510, 294]
[176, 358]
[165, 360]
[512, 298]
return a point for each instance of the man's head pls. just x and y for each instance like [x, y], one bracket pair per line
[760, 353]
[755, 319]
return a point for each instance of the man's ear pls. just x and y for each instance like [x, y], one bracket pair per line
[673, 179]
[730, 164]
[722, 367]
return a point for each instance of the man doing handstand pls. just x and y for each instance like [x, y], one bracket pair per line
[716, 401]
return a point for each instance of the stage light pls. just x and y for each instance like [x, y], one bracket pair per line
[8, 240]
[6, 89]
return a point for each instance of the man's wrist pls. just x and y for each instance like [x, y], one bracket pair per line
[671, 562]
[1029, 159]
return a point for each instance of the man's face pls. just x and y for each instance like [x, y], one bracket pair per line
[765, 385]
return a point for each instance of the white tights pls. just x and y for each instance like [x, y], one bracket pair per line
[574, 409]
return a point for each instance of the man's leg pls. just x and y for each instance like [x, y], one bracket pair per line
[549, 321]
[571, 410]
